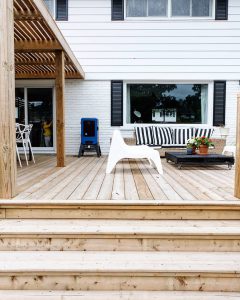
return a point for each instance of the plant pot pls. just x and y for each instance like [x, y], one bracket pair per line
[194, 150]
[203, 149]
[189, 151]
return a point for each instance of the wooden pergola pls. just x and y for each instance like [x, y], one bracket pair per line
[32, 47]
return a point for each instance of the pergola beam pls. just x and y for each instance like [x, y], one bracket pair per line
[37, 46]
[46, 76]
[57, 33]
[39, 63]
[7, 102]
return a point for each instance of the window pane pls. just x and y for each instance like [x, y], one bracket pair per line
[201, 8]
[167, 103]
[180, 8]
[157, 8]
[50, 6]
[136, 8]
[40, 114]
[19, 106]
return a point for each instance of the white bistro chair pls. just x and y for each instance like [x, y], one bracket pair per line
[229, 149]
[23, 137]
[120, 150]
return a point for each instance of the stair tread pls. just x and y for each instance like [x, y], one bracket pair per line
[126, 203]
[116, 295]
[110, 227]
[122, 262]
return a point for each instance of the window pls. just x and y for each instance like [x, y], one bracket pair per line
[169, 8]
[147, 8]
[35, 106]
[191, 8]
[58, 9]
[167, 103]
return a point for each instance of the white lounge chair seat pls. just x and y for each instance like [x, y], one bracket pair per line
[120, 150]
[229, 149]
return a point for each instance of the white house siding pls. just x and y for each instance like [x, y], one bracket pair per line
[161, 50]
[233, 88]
[86, 99]
[170, 50]
[92, 99]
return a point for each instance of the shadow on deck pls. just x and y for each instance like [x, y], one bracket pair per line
[85, 179]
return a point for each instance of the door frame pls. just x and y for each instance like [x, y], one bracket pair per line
[25, 84]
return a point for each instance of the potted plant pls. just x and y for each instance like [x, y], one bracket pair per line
[203, 143]
[191, 146]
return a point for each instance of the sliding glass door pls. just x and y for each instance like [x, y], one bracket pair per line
[35, 106]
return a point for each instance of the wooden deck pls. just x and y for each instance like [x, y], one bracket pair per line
[85, 179]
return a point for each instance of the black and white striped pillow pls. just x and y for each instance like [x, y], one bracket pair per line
[207, 132]
[162, 136]
[181, 135]
[144, 135]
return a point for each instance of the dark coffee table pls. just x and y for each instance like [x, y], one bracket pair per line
[181, 158]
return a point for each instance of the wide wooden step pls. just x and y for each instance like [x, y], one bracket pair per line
[129, 271]
[114, 295]
[129, 210]
[119, 235]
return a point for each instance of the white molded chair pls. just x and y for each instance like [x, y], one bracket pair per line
[120, 150]
[230, 149]
[23, 138]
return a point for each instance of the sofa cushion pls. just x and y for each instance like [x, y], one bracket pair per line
[182, 135]
[207, 132]
[162, 136]
[144, 135]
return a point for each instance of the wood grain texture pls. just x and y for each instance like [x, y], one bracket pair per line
[7, 102]
[237, 163]
[116, 295]
[60, 114]
[111, 270]
[85, 179]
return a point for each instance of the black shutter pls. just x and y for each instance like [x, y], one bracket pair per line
[219, 103]
[117, 10]
[61, 10]
[116, 103]
[221, 10]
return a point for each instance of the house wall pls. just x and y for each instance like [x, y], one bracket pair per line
[92, 99]
[140, 50]
[161, 50]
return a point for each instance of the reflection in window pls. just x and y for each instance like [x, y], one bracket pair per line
[50, 6]
[192, 8]
[178, 8]
[167, 103]
[19, 106]
[40, 114]
[181, 8]
[147, 8]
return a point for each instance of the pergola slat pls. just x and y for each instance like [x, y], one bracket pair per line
[36, 38]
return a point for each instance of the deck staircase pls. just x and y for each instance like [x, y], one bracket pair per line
[110, 250]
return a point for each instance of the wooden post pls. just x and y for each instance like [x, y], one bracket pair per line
[237, 163]
[7, 102]
[60, 84]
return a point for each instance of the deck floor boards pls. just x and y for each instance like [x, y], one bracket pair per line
[85, 179]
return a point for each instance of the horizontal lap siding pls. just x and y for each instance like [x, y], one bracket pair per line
[204, 49]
